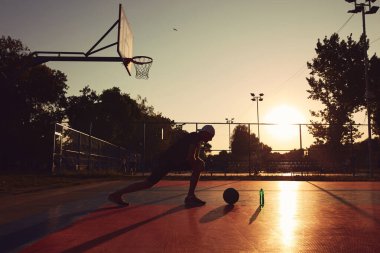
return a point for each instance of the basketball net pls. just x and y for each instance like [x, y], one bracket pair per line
[142, 66]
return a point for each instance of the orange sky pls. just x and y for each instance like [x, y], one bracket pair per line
[205, 71]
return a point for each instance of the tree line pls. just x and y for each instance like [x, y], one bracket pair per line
[34, 98]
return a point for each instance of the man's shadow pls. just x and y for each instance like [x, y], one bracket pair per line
[13, 240]
[97, 241]
[219, 212]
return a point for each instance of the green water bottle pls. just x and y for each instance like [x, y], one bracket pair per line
[261, 198]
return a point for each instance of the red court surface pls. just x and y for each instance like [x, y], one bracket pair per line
[297, 217]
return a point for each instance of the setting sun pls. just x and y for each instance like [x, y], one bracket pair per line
[284, 118]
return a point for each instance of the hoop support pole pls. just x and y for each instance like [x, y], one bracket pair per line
[97, 43]
[43, 59]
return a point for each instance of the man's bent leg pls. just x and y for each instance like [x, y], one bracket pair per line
[116, 197]
[142, 185]
[191, 199]
[194, 178]
[155, 176]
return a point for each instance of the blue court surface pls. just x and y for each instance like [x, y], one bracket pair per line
[298, 216]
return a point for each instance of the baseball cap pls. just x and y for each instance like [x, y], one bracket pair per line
[209, 129]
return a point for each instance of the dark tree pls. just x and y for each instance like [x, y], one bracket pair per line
[116, 117]
[337, 81]
[243, 142]
[82, 110]
[240, 141]
[32, 100]
[112, 115]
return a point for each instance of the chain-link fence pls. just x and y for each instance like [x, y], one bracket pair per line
[236, 149]
[76, 152]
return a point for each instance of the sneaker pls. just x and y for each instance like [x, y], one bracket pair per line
[117, 200]
[193, 201]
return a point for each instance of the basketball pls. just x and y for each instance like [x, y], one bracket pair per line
[231, 196]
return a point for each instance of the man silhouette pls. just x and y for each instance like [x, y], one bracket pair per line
[183, 154]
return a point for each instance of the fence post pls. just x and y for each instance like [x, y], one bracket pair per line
[89, 148]
[60, 151]
[249, 149]
[228, 164]
[78, 155]
[52, 161]
[144, 150]
[352, 163]
[300, 126]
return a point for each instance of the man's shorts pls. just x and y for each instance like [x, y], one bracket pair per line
[164, 167]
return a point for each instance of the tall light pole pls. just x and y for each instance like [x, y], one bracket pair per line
[362, 7]
[257, 99]
[229, 121]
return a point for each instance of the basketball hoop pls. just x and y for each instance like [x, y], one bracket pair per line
[142, 65]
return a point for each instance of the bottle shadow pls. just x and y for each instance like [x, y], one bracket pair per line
[255, 215]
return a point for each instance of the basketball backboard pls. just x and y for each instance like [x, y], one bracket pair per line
[125, 39]
[124, 48]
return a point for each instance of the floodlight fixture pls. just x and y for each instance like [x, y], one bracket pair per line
[351, 1]
[357, 9]
[257, 99]
[230, 120]
[372, 10]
